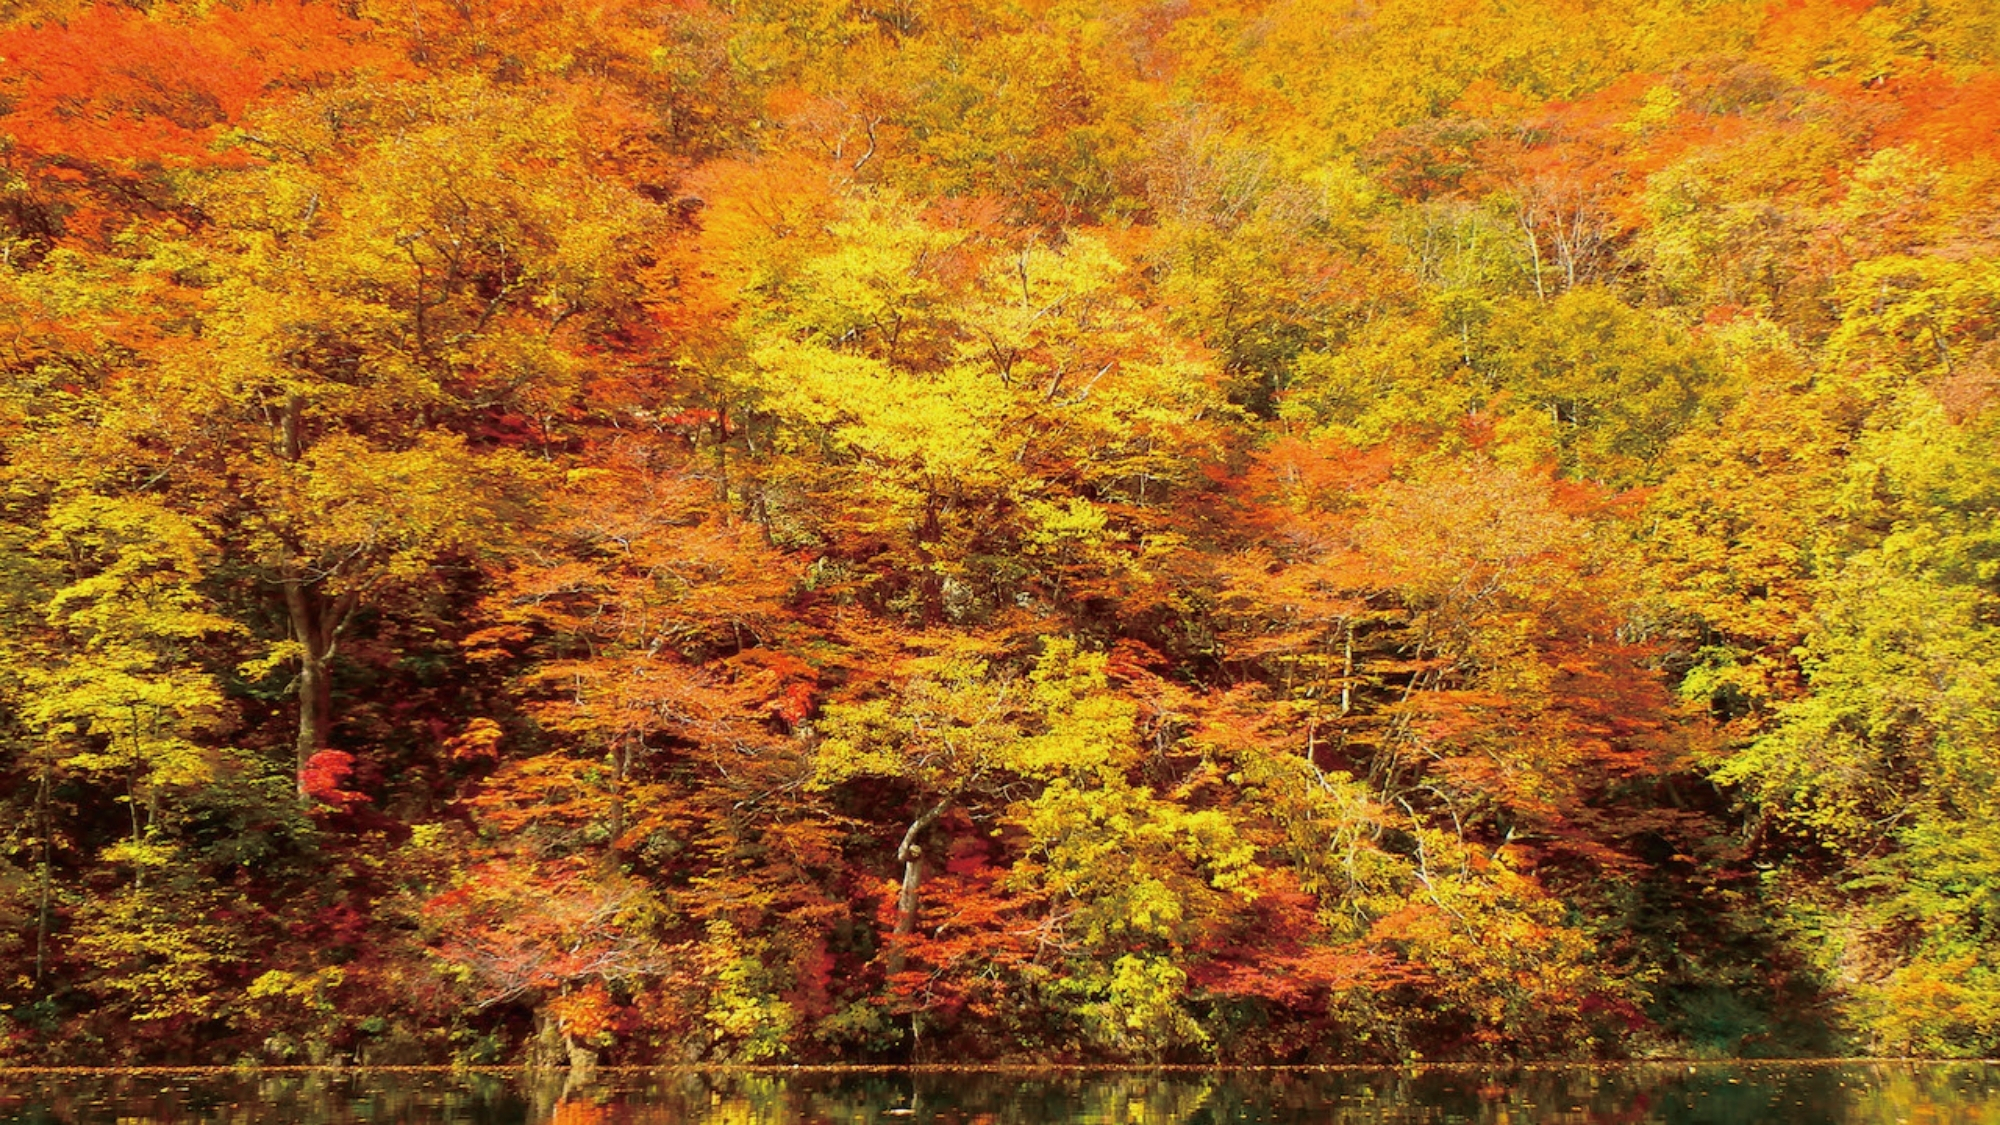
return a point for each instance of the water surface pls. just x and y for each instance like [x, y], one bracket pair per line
[1794, 1093]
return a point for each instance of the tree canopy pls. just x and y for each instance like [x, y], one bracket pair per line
[941, 529]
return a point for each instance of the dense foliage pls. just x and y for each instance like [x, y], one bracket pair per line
[1065, 530]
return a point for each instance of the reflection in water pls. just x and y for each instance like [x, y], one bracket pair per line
[1804, 1094]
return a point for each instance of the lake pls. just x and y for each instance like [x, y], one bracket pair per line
[1734, 1093]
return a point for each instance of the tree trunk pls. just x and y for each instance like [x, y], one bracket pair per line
[314, 620]
[315, 686]
[548, 1049]
[45, 828]
[931, 583]
[907, 902]
[906, 905]
[1534, 249]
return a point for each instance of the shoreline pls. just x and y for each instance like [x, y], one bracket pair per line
[988, 1068]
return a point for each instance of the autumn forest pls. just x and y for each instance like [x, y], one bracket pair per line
[1255, 531]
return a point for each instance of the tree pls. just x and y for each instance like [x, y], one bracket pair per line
[379, 302]
[1885, 757]
[1112, 878]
